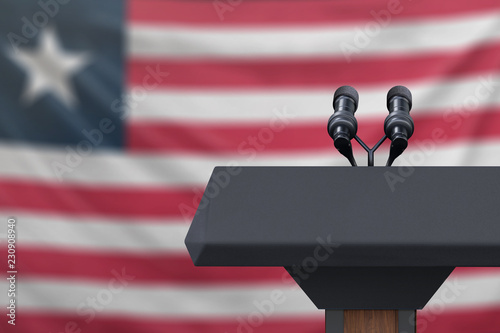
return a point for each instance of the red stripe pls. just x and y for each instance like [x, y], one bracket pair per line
[152, 268]
[95, 200]
[29, 321]
[275, 12]
[468, 320]
[248, 140]
[475, 271]
[318, 72]
[156, 268]
[234, 138]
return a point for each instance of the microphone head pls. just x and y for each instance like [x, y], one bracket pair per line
[342, 124]
[399, 91]
[347, 91]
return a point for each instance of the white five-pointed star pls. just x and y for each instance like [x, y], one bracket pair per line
[49, 69]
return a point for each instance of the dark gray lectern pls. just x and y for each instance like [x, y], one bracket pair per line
[377, 238]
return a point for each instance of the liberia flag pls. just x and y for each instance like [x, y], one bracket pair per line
[114, 113]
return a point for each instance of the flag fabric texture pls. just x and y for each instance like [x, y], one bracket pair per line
[113, 115]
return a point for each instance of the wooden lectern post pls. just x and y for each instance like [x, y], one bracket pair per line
[370, 321]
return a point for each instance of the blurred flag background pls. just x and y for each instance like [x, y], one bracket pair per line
[114, 113]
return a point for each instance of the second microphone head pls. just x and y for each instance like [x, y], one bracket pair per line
[398, 125]
[399, 92]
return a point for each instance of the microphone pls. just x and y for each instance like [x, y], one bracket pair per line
[398, 125]
[342, 125]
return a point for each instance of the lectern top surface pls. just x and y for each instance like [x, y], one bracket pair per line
[345, 216]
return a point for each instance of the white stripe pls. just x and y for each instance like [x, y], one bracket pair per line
[305, 105]
[123, 169]
[429, 153]
[116, 235]
[111, 168]
[466, 291]
[168, 302]
[199, 301]
[402, 37]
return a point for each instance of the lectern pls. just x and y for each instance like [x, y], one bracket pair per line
[367, 250]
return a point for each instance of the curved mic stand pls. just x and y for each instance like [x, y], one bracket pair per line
[371, 151]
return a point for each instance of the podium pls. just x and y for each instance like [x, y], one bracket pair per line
[370, 245]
